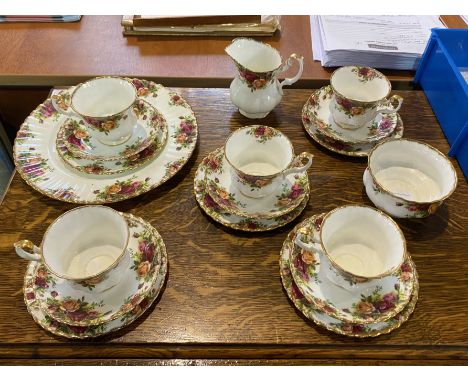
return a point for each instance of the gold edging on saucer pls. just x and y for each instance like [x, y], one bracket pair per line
[400, 197]
[410, 306]
[164, 264]
[258, 215]
[75, 200]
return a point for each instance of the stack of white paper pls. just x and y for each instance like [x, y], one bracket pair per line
[391, 42]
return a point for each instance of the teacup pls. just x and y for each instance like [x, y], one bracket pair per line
[105, 105]
[407, 178]
[358, 244]
[261, 157]
[86, 246]
[360, 93]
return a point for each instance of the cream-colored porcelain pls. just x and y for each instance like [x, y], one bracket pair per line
[86, 246]
[105, 104]
[256, 89]
[408, 179]
[261, 157]
[361, 244]
[360, 94]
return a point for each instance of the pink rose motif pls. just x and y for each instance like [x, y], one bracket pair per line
[54, 293]
[149, 252]
[297, 294]
[405, 276]
[259, 131]
[344, 103]
[78, 315]
[389, 298]
[210, 203]
[186, 127]
[296, 191]
[301, 267]
[78, 329]
[383, 306]
[30, 296]
[129, 189]
[359, 328]
[75, 141]
[142, 245]
[405, 267]
[249, 76]
[144, 303]
[48, 109]
[364, 71]
[41, 282]
[385, 123]
[138, 84]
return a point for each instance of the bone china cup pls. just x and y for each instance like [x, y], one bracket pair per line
[360, 243]
[407, 178]
[105, 104]
[261, 157]
[86, 246]
[360, 93]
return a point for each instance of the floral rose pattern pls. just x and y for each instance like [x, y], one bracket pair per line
[254, 181]
[177, 100]
[222, 196]
[144, 262]
[186, 133]
[77, 135]
[145, 88]
[382, 128]
[262, 133]
[34, 167]
[214, 162]
[74, 310]
[62, 99]
[255, 81]
[122, 189]
[46, 110]
[290, 195]
[366, 74]
[106, 124]
[351, 108]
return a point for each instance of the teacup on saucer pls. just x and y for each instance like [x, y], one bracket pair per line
[70, 305]
[223, 190]
[408, 179]
[82, 143]
[371, 301]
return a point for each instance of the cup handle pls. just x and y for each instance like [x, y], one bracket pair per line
[27, 250]
[389, 102]
[62, 102]
[290, 81]
[311, 247]
[297, 165]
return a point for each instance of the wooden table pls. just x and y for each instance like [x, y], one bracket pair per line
[223, 302]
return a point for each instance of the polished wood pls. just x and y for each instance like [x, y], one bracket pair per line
[223, 299]
[67, 53]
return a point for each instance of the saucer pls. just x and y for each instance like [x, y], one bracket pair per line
[80, 306]
[218, 214]
[109, 167]
[82, 332]
[81, 143]
[320, 133]
[41, 167]
[224, 192]
[330, 323]
[370, 302]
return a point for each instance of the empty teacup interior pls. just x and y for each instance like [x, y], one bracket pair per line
[103, 97]
[362, 241]
[85, 242]
[360, 83]
[254, 55]
[259, 150]
[413, 171]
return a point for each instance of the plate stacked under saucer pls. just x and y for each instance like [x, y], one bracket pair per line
[79, 311]
[319, 124]
[370, 310]
[57, 156]
[221, 200]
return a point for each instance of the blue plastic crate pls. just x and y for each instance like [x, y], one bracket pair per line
[440, 76]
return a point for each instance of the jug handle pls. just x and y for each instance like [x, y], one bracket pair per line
[290, 81]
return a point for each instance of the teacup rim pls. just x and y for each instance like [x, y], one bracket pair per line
[413, 141]
[77, 87]
[357, 100]
[81, 279]
[365, 278]
[258, 42]
[259, 176]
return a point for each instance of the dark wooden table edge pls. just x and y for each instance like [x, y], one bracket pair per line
[19, 81]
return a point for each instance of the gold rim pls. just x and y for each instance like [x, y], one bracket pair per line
[385, 216]
[260, 43]
[75, 200]
[356, 100]
[81, 279]
[77, 87]
[248, 127]
[454, 173]
[406, 312]
[258, 215]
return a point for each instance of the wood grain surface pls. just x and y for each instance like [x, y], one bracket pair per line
[65, 53]
[223, 299]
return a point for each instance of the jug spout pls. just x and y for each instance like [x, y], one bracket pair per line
[253, 55]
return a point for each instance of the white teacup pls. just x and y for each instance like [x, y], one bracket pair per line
[360, 93]
[86, 246]
[105, 104]
[408, 179]
[359, 244]
[260, 157]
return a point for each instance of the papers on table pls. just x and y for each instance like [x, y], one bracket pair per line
[392, 42]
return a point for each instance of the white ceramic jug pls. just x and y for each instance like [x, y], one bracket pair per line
[256, 89]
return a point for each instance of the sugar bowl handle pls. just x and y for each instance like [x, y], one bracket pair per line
[290, 81]
[27, 250]
[297, 166]
[62, 102]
